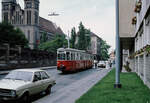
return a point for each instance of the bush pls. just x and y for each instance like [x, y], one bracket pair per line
[127, 68]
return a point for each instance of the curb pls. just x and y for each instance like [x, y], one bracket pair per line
[42, 68]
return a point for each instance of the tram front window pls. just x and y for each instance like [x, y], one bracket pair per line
[61, 56]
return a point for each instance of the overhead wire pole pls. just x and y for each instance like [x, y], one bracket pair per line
[68, 40]
[117, 60]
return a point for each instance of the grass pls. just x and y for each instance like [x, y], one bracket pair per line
[133, 90]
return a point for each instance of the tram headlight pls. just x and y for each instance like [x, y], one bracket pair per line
[61, 65]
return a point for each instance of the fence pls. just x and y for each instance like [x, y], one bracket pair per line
[17, 57]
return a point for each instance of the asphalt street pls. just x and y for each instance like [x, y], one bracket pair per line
[69, 87]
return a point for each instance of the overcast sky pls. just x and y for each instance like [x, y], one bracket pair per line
[96, 15]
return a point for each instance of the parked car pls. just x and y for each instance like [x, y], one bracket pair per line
[101, 64]
[21, 84]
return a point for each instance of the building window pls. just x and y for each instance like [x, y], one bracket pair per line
[36, 5]
[17, 17]
[5, 7]
[36, 18]
[6, 16]
[29, 5]
[29, 36]
[20, 19]
[29, 17]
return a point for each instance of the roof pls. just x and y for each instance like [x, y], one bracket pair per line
[70, 49]
[28, 70]
[49, 26]
[93, 34]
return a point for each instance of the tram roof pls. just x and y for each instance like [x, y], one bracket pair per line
[70, 49]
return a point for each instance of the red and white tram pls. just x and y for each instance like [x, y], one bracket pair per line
[69, 60]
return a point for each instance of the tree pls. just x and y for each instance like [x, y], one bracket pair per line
[87, 38]
[12, 36]
[104, 48]
[81, 41]
[59, 41]
[44, 37]
[73, 37]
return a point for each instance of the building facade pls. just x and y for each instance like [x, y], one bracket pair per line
[142, 39]
[28, 20]
[134, 29]
[126, 31]
[95, 45]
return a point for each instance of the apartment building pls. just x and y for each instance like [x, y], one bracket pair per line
[134, 30]
[95, 45]
[142, 39]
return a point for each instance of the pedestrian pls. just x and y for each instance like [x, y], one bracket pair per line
[96, 65]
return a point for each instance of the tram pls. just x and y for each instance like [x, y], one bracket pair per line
[70, 60]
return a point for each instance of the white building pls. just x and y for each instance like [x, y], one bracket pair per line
[134, 30]
[142, 40]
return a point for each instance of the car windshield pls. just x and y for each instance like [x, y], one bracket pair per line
[19, 75]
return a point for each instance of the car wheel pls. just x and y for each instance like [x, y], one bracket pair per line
[25, 98]
[48, 90]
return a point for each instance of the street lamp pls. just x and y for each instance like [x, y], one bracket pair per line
[117, 81]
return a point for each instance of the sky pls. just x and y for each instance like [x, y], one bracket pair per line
[96, 15]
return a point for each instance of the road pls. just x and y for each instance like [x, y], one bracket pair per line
[70, 87]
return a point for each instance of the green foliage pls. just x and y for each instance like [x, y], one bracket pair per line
[87, 38]
[59, 41]
[104, 48]
[127, 68]
[12, 36]
[132, 91]
[44, 37]
[73, 37]
[84, 37]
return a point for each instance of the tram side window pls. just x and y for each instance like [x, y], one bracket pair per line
[71, 56]
[68, 55]
[77, 56]
[63, 56]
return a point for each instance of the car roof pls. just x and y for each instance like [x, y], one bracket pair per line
[28, 70]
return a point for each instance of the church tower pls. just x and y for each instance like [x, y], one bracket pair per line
[8, 6]
[31, 13]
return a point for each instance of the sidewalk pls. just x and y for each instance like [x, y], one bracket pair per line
[42, 68]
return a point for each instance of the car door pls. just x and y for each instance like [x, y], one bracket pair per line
[45, 80]
[37, 83]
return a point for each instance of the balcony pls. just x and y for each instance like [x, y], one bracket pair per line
[134, 20]
[141, 10]
[138, 6]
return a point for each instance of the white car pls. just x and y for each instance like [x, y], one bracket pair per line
[21, 84]
[101, 64]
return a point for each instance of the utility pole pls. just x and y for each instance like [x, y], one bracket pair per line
[68, 40]
[117, 60]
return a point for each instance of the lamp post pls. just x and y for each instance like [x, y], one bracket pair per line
[117, 60]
